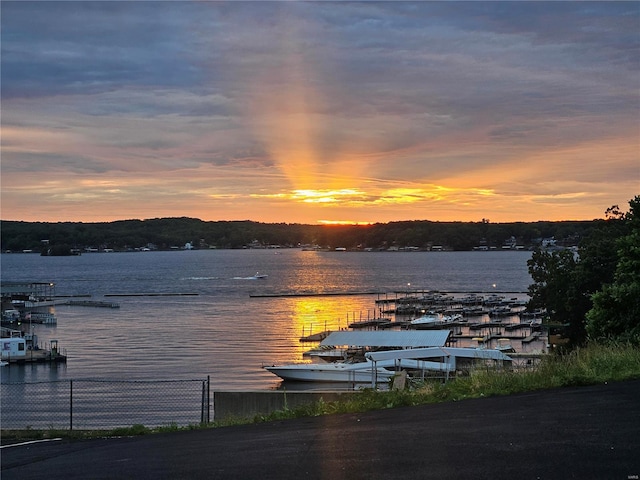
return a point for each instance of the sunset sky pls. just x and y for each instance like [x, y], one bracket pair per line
[319, 112]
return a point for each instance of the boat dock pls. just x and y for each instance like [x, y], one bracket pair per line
[311, 294]
[17, 347]
[37, 356]
[376, 323]
[315, 337]
[151, 294]
[90, 303]
[494, 321]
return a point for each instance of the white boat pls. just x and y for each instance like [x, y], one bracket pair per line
[504, 346]
[257, 276]
[327, 353]
[10, 316]
[365, 371]
[360, 372]
[427, 318]
[381, 366]
[436, 319]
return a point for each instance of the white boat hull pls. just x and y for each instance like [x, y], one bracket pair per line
[334, 372]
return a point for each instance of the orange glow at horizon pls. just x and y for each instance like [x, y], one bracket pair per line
[393, 196]
[324, 196]
[342, 222]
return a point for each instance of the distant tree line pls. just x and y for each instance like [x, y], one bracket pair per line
[594, 294]
[166, 233]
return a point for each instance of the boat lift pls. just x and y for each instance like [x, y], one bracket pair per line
[414, 358]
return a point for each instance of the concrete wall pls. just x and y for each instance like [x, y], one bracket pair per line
[230, 405]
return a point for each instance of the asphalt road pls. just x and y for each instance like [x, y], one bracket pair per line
[583, 432]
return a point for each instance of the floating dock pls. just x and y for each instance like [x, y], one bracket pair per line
[20, 348]
[315, 337]
[90, 303]
[374, 322]
[37, 356]
[311, 294]
[151, 294]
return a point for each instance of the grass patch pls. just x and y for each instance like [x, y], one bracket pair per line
[17, 436]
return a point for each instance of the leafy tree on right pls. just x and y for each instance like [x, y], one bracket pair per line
[595, 293]
[616, 307]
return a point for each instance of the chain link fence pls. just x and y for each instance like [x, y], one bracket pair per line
[104, 404]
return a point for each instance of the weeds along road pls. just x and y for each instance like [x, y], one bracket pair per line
[579, 432]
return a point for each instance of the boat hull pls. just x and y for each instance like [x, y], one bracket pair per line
[331, 373]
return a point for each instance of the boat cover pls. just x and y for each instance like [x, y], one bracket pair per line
[388, 338]
[435, 352]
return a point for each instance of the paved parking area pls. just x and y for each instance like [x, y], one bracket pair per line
[579, 432]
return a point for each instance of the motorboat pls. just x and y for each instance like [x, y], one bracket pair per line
[257, 276]
[427, 318]
[327, 353]
[364, 371]
[358, 372]
[381, 366]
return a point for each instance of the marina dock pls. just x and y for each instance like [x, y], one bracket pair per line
[311, 294]
[37, 356]
[90, 303]
[495, 321]
[18, 347]
[151, 294]
[315, 337]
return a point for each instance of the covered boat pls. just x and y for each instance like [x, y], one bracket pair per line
[359, 369]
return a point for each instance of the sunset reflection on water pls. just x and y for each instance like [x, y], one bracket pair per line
[315, 314]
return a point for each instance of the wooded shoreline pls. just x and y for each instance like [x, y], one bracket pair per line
[176, 233]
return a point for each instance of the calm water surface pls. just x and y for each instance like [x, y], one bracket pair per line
[223, 331]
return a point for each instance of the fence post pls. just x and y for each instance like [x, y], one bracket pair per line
[70, 405]
[208, 398]
[202, 403]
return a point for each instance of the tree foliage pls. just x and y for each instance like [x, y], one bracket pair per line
[559, 288]
[171, 232]
[596, 290]
[616, 308]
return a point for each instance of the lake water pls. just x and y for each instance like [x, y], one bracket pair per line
[225, 330]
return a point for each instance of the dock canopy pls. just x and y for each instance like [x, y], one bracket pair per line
[439, 352]
[442, 359]
[388, 338]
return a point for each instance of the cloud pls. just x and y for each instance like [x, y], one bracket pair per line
[389, 110]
